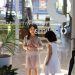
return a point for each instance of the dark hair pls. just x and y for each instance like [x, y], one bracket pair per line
[31, 25]
[51, 36]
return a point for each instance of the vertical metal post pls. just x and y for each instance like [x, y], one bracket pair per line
[64, 7]
[23, 9]
[11, 6]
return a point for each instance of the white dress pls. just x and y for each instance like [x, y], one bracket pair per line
[53, 66]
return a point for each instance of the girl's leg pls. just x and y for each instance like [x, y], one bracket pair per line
[29, 71]
[36, 71]
[46, 74]
[52, 74]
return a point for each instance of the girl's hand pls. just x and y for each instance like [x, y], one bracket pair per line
[46, 63]
[30, 47]
[36, 46]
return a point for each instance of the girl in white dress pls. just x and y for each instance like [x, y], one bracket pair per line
[52, 64]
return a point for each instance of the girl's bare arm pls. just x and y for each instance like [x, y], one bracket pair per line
[49, 54]
[25, 43]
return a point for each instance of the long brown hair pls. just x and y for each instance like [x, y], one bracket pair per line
[31, 25]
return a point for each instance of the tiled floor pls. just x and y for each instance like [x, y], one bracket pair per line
[64, 55]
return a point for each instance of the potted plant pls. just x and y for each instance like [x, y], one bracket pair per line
[8, 70]
[7, 47]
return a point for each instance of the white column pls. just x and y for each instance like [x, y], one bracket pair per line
[17, 22]
[73, 25]
[73, 32]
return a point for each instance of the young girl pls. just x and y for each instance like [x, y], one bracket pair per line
[31, 45]
[52, 64]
